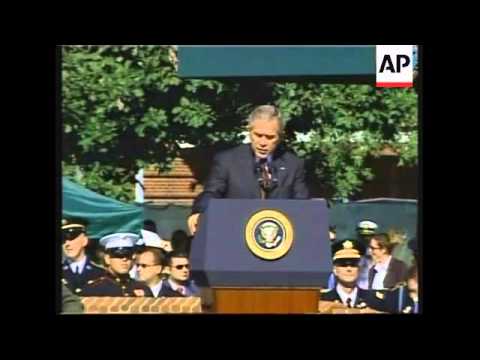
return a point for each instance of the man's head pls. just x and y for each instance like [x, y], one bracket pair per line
[179, 267]
[265, 126]
[380, 247]
[150, 265]
[346, 257]
[366, 229]
[119, 250]
[74, 238]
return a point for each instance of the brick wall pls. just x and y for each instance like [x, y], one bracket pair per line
[141, 305]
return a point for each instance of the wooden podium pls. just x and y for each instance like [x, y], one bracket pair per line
[257, 300]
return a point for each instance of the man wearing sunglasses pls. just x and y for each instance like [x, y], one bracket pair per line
[77, 269]
[346, 258]
[179, 283]
[119, 250]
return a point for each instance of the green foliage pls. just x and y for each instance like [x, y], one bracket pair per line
[125, 106]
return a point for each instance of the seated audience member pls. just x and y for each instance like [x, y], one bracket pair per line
[77, 269]
[346, 269]
[119, 259]
[149, 268]
[386, 271]
[179, 283]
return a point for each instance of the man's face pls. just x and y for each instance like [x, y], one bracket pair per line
[180, 269]
[74, 249]
[147, 269]
[119, 264]
[346, 272]
[264, 136]
[378, 253]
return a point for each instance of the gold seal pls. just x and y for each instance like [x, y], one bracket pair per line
[269, 234]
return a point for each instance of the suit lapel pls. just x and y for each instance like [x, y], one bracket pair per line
[249, 176]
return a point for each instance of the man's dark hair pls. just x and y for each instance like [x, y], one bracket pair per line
[175, 254]
[150, 225]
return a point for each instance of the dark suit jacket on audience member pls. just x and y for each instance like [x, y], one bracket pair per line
[167, 291]
[396, 273]
[233, 176]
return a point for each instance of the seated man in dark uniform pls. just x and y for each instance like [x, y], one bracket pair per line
[77, 269]
[119, 249]
[346, 257]
[179, 283]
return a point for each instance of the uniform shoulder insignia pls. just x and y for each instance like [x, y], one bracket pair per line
[379, 294]
[78, 290]
[97, 265]
[324, 291]
[97, 280]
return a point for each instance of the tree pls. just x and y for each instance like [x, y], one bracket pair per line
[125, 106]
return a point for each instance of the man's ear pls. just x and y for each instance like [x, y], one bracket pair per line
[107, 259]
[335, 270]
[84, 240]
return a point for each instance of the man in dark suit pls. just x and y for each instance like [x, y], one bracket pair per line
[77, 269]
[346, 257]
[179, 283]
[387, 272]
[261, 169]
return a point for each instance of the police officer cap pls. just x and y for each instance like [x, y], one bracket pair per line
[119, 241]
[149, 238]
[367, 227]
[72, 227]
[346, 250]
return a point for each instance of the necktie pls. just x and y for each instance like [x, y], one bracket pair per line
[371, 275]
[349, 302]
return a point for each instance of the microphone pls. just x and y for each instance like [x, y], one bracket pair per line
[269, 182]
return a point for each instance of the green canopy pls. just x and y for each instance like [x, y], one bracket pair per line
[105, 215]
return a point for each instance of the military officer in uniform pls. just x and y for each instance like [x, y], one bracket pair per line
[119, 250]
[346, 257]
[77, 269]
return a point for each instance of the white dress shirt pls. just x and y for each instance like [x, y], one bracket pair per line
[156, 288]
[381, 274]
[78, 266]
[344, 295]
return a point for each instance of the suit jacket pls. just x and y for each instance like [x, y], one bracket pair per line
[372, 298]
[398, 301]
[167, 290]
[396, 273]
[76, 282]
[233, 175]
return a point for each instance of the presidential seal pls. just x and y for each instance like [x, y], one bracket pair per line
[269, 234]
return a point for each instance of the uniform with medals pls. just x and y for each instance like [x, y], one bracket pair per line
[77, 269]
[119, 249]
